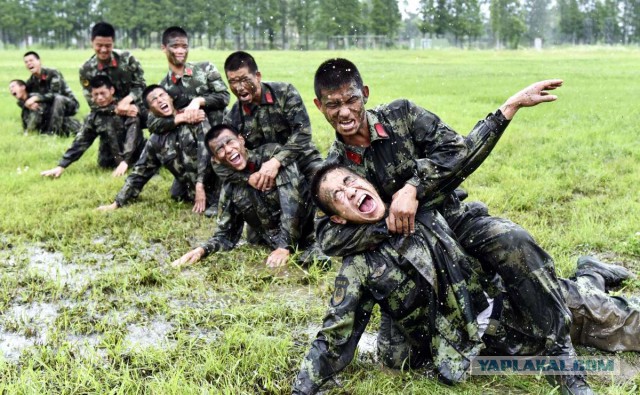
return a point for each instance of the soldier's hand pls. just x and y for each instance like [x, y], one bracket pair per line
[193, 116]
[108, 207]
[402, 212]
[189, 258]
[200, 200]
[120, 170]
[32, 103]
[530, 96]
[257, 181]
[278, 257]
[55, 172]
[270, 170]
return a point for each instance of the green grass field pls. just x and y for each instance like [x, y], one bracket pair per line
[89, 303]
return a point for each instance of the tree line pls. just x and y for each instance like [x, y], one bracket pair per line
[318, 24]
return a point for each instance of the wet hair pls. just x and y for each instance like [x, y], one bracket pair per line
[240, 59]
[318, 178]
[103, 29]
[216, 131]
[173, 32]
[34, 53]
[19, 82]
[99, 81]
[334, 73]
[147, 90]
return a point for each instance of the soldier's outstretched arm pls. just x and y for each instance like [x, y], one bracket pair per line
[530, 96]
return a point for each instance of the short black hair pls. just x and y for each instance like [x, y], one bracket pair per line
[216, 131]
[240, 59]
[103, 29]
[173, 32]
[99, 81]
[334, 73]
[318, 178]
[147, 90]
[19, 82]
[34, 53]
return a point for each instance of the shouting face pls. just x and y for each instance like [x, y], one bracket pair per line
[18, 90]
[245, 85]
[160, 103]
[102, 96]
[352, 198]
[32, 63]
[228, 150]
[344, 109]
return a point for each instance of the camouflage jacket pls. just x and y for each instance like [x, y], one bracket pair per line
[280, 118]
[122, 135]
[277, 215]
[48, 84]
[125, 73]
[200, 79]
[180, 151]
[424, 283]
[409, 145]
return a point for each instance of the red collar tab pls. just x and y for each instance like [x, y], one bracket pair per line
[174, 79]
[354, 157]
[100, 66]
[188, 72]
[268, 97]
[43, 77]
[246, 109]
[114, 62]
[381, 130]
[252, 167]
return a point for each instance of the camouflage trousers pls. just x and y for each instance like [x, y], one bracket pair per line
[54, 118]
[182, 192]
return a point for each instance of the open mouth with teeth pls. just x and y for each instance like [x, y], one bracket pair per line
[366, 204]
[164, 107]
[235, 159]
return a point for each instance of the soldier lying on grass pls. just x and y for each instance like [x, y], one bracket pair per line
[121, 139]
[430, 293]
[181, 151]
[281, 217]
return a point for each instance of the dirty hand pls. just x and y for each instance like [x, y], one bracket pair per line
[402, 212]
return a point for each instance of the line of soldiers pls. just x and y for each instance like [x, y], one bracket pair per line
[388, 201]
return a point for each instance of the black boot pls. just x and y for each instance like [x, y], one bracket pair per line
[613, 275]
[571, 385]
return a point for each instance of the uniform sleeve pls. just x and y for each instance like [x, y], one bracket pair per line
[342, 240]
[160, 125]
[299, 124]
[343, 325]
[446, 158]
[55, 88]
[292, 206]
[133, 138]
[146, 167]
[137, 79]
[81, 143]
[230, 224]
[217, 95]
[204, 158]
[85, 76]
[228, 175]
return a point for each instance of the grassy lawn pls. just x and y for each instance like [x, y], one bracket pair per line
[89, 303]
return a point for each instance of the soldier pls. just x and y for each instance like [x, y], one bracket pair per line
[121, 139]
[181, 151]
[281, 217]
[50, 95]
[268, 112]
[31, 120]
[122, 69]
[192, 86]
[401, 271]
[413, 158]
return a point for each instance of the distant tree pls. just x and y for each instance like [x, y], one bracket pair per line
[302, 13]
[537, 18]
[339, 18]
[507, 22]
[571, 20]
[385, 18]
[465, 20]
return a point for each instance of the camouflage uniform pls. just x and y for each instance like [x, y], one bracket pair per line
[57, 101]
[281, 216]
[183, 153]
[425, 285]
[280, 118]
[125, 74]
[200, 79]
[120, 139]
[411, 145]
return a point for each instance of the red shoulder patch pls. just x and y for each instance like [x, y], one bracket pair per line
[43, 77]
[382, 132]
[188, 72]
[252, 167]
[268, 97]
[354, 157]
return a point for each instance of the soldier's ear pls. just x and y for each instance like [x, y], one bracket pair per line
[317, 103]
[338, 219]
[365, 94]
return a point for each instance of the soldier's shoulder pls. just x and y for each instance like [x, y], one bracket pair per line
[279, 86]
[88, 65]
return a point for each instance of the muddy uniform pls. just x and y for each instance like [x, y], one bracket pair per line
[57, 101]
[125, 74]
[120, 139]
[280, 118]
[424, 284]
[411, 145]
[182, 152]
[281, 217]
[200, 79]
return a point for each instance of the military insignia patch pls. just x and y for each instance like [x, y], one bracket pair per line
[85, 83]
[341, 290]
[320, 213]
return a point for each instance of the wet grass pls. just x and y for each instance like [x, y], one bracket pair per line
[89, 304]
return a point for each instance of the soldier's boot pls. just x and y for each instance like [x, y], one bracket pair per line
[313, 254]
[571, 385]
[612, 275]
